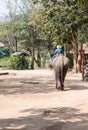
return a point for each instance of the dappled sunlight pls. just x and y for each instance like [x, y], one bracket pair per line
[30, 101]
[44, 119]
[36, 81]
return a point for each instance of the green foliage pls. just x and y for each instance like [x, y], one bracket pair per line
[62, 17]
[83, 34]
[4, 62]
[71, 60]
[86, 77]
[80, 2]
[4, 52]
[52, 21]
[18, 62]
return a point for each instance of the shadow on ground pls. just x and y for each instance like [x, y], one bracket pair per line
[28, 85]
[65, 118]
[76, 85]
[35, 85]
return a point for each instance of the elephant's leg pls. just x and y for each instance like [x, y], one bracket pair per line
[62, 84]
[65, 72]
[64, 75]
[58, 80]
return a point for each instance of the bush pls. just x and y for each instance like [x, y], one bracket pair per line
[4, 52]
[19, 62]
[4, 62]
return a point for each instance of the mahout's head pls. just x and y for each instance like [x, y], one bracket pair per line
[59, 46]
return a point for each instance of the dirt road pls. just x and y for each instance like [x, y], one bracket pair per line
[29, 101]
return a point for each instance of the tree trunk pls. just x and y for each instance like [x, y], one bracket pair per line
[79, 63]
[10, 44]
[33, 48]
[38, 59]
[16, 43]
[32, 62]
[80, 58]
[75, 50]
[65, 49]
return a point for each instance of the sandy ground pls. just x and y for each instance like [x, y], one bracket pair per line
[29, 101]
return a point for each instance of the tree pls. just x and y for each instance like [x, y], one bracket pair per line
[62, 20]
[47, 23]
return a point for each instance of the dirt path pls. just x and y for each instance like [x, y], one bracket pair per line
[29, 101]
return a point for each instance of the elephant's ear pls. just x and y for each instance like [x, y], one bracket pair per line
[50, 64]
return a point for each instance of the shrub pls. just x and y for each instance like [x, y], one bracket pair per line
[19, 62]
[4, 62]
[4, 52]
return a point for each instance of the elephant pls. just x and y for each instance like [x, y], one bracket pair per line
[60, 65]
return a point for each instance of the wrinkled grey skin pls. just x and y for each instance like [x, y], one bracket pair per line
[60, 66]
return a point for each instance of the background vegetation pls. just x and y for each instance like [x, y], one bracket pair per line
[36, 27]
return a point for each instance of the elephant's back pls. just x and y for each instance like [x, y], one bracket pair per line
[60, 60]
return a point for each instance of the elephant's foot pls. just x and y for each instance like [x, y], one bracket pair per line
[56, 86]
[60, 88]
